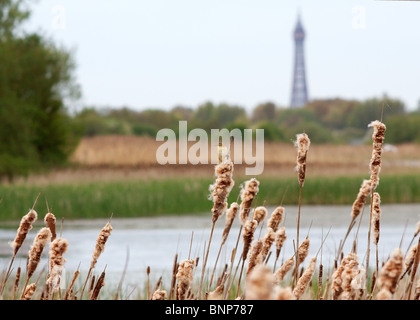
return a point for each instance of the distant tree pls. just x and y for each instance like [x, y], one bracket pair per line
[374, 109]
[36, 78]
[264, 112]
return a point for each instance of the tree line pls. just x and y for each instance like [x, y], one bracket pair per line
[326, 121]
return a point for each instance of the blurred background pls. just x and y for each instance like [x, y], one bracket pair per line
[85, 87]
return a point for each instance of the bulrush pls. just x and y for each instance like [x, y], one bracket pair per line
[29, 292]
[376, 216]
[302, 252]
[280, 293]
[350, 272]
[230, 217]
[360, 201]
[259, 283]
[248, 236]
[41, 239]
[302, 143]
[184, 276]
[378, 137]
[221, 188]
[390, 275]
[100, 243]
[259, 214]
[99, 248]
[254, 254]
[159, 295]
[279, 241]
[248, 193]
[50, 220]
[268, 240]
[338, 285]
[276, 218]
[57, 248]
[304, 280]
[24, 227]
[284, 269]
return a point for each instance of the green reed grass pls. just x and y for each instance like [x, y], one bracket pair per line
[188, 195]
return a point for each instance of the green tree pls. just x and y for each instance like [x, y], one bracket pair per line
[36, 78]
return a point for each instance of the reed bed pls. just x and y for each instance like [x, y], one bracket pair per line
[259, 238]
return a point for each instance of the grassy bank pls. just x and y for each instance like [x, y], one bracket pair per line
[183, 196]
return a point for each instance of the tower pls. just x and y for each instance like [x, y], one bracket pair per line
[299, 88]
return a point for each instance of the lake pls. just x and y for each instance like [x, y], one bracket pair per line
[153, 242]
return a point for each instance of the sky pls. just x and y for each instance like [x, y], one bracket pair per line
[163, 53]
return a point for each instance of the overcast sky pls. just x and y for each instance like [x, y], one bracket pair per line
[163, 53]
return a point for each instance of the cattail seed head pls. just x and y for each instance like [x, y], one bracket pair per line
[284, 269]
[361, 198]
[304, 280]
[268, 240]
[50, 220]
[24, 227]
[259, 214]
[280, 239]
[338, 284]
[185, 275]
[230, 217]
[253, 254]
[159, 295]
[29, 291]
[57, 248]
[276, 218]
[376, 216]
[248, 193]
[280, 293]
[389, 275]
[248, 236]
[221, 188]
[303, 250]
[41, 239]
[259, 283]
[377, 141]
[350, 271]
[302, 143]
[100, 243]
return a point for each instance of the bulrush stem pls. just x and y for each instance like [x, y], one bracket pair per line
[99, 248]
[302, 143]
[205, 260]
[297, 236]
[230, 217]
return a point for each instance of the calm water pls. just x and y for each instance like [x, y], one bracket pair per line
[153, 242]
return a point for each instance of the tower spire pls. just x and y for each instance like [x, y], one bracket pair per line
[299, 88]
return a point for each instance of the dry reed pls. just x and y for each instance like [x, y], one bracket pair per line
[248, 193]
[389, 275]
[378, 137]
[159, 294]
[24, 227]
[40, 241]
[57, 248]
[29, 292]
[304, 280]
[302, 144]
[221, 188]
[50, 220]
[184, 276]
[284, 269]
[99, 248]
[259, 214]
[276, 218]
[259, 284]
